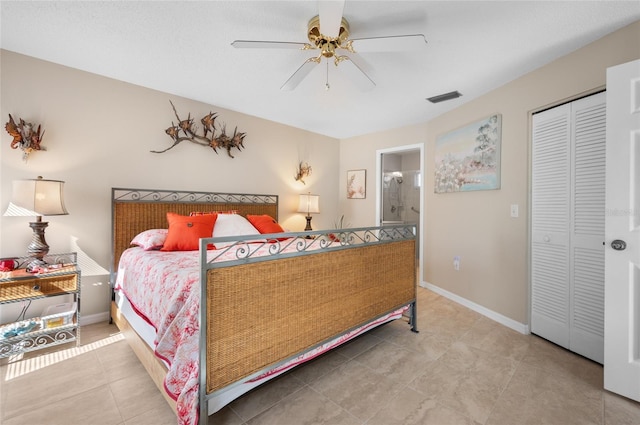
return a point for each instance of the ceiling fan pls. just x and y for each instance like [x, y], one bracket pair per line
[329, 33]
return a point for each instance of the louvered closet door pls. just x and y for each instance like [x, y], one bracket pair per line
[587, 260]
[550, 223]
[568, 198]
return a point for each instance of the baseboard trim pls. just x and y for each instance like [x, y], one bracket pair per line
[497, 317]
[89, 319]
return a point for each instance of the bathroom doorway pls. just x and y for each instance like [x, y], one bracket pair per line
[400, 188]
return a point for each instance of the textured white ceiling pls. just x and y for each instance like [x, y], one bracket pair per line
[183, 48]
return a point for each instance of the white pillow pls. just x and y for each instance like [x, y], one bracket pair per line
[233, 225]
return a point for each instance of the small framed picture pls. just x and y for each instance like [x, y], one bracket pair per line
[356, 184]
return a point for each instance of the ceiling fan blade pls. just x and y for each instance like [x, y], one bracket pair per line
[354, 73]
[252, 44]
[300, 74]
[360, 62]
[393, 43]
[330, 13]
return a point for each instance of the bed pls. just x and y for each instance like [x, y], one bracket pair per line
[257, 304]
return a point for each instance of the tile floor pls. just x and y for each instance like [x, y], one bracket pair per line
[462, 368]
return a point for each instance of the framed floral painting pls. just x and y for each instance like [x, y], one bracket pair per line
[469, 158]
[356, 184]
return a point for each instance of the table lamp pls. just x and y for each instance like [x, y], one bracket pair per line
[309, 204]
[37, 197]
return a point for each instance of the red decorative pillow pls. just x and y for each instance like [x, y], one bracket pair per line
[265, 223]
[185, 231]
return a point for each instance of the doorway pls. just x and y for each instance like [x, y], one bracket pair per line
[400, 189]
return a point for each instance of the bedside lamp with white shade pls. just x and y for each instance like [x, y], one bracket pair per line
[37, 197]
[309, 204]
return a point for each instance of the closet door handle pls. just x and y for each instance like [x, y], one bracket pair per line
[619, 245]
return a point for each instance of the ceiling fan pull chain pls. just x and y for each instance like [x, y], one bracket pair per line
[326, 86]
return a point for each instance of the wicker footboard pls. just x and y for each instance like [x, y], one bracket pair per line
[261, 314]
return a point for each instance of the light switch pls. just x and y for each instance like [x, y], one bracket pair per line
[456, 263]
[514, 210]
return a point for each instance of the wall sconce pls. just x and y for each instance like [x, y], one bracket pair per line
[37, 197]
[309, 204]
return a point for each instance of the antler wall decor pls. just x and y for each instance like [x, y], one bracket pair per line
[186, 130]
[24, 137]
[303, 170]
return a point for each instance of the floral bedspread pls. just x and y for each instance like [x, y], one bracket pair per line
[163, 288]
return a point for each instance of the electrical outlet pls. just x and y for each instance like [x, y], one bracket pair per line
[456, 263]
[514, 210]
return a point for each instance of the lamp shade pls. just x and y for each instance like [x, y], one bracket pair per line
[37, 197]
[309, 204]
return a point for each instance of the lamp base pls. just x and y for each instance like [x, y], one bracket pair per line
[308, 228]
[35, 264]
[38, 247]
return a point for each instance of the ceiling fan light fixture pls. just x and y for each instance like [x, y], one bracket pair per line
[315, 35]
[331, 39]
[327, 45]
[444, 97]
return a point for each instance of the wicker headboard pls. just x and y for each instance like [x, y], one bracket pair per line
[136, 210]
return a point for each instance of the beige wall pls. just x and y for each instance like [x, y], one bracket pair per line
[98, 134]
[477, 225]
[360, 153]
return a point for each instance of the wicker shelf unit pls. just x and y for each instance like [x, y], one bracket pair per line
[62, 277]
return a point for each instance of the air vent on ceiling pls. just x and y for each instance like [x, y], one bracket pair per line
[443, 97]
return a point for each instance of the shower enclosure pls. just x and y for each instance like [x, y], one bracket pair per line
[401, 181]
[399, 192]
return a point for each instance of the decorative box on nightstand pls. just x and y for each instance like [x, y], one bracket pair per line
[58, 324]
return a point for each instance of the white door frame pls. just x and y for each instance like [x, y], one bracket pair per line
[379, 171]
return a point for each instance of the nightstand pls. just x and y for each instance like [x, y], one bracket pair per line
[57, 325]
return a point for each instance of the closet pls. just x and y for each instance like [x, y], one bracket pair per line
[567, 225]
